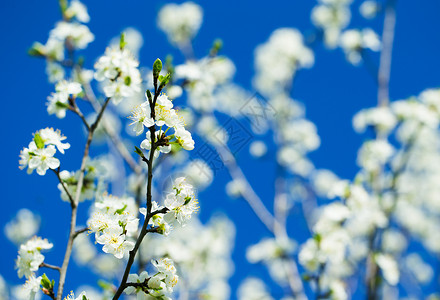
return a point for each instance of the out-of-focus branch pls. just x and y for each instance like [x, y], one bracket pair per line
[386, 53]
[263, 214]
[114, 137]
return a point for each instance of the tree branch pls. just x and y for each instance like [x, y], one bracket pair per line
[386, 53]
[72, 233]
[44, 265]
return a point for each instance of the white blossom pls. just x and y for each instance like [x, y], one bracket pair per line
[389, 268]
[180, 22]
[182, 202]
[30, 257]
[118, 70]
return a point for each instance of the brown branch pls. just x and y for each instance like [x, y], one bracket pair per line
[57, 173]
[78, 232]
[72, 233]
[44, 265]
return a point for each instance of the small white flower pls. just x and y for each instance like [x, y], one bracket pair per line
[114, 242]
[32, 286]
[29, 256]
[134, 278]
[54, 137]
[167, 272]
[184, 138]
[79, 35]
[182, 203]
[146, 144]
[118, 69]
[180, 22]
[78, 10]
[43, 159]
[81, 296]
[141, 117]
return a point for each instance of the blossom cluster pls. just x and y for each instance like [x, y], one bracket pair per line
[180, 22]
[393, 182]
[331, 16]
[69, 34]
[118, 70]
[165, 115]
[277, 60]
[29, 256]
[156, 286]
[22, 227]
[114, 223]
[39, 155]
[181, 203]
[202, 253]
[58, 102]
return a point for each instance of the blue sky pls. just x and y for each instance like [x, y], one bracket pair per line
[332, 91]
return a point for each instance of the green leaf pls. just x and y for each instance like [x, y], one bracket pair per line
[38, 141]
[164, 81]
[52, 283]
[157, 67]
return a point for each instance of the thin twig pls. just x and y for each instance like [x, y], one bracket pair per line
[263, 214]
[44, 265]
[74, 108]
[78, 232]
[57, 173]
[386, 53]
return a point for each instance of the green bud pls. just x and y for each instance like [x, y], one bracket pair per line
[38, 141]
[61, 105]
[157, 67]
[149, 96]
[63, 5]
[216, 47]
[37, 49]
[127, 80]
[138, 151]
[45, 282]
[317, 237]
[122, 42]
